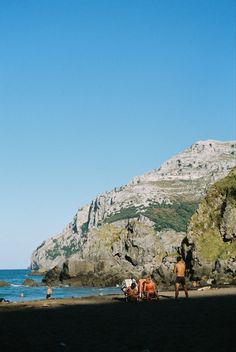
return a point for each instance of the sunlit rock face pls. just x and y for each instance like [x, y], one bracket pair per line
[210, 245]
[153, 210]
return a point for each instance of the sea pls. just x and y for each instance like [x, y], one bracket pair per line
[17, 292]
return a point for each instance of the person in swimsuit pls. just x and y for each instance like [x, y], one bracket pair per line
[132, 293]
[150, 290]
[179, 271]
[141, 283]
[49, 292]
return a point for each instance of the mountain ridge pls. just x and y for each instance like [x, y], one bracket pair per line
[172, 191]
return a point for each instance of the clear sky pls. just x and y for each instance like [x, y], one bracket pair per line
[93, 93]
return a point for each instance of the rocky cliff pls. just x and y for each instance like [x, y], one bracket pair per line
[210, 245]
[139, 227]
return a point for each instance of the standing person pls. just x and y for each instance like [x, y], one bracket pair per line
[49, 292]
[179, 271]
[141, 283]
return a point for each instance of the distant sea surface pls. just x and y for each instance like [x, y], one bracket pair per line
[17, 292]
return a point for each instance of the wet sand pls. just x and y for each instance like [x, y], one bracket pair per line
[204, 322]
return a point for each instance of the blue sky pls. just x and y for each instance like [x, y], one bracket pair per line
[93, 93]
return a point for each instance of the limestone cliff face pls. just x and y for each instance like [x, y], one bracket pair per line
[185, 177]
[116, 251]
[161, 202]
[210, 245]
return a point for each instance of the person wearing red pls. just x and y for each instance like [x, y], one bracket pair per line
[150, 290]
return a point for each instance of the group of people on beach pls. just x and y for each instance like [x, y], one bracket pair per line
[145, 289]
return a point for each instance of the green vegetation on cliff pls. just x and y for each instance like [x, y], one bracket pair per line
[174, 216]
[108, 234]
[211, 247]
[171, 216]
[59, 250]
[213, 226]
[125, 213]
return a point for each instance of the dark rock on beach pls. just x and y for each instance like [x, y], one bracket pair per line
[4, 284]
[31, 283]
[53, 276]
[38, 272]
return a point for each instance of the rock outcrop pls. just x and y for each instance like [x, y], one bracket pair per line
[138, 228]
[210, 245]
[4, 283]
[113, 253]
[31, 283]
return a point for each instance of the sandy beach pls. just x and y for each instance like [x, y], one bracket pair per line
[204, 322]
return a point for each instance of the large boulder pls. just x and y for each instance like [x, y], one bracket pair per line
[74, 267]
[53, 276]
[31, 283]
[114, 252]
[4, 284]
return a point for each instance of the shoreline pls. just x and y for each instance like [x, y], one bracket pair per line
[202, 292]
[203, 322]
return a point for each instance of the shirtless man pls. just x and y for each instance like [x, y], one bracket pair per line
[49, 292]
[132, 293]
[179, 271]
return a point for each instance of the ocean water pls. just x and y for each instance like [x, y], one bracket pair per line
[17, 292]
